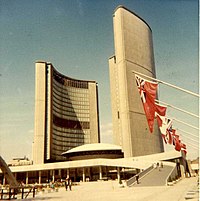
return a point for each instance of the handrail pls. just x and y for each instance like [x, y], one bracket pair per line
[169, 177]
[132, 180]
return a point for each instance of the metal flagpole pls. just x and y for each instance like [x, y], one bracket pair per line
[178, 129]
[193, 145]
[170, 85]
[185, 123]
[188, 138]
[158, 101]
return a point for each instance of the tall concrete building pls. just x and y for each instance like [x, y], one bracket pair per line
[66, 114]
[133, 51]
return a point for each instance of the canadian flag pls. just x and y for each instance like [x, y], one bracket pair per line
[147, 91]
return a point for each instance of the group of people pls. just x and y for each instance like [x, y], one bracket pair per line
[68, 183]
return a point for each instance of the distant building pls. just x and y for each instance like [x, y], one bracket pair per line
[20, 162]
[133, 51]
[66, 114]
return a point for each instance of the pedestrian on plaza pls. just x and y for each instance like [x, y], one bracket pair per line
[137, 178]
[68, 183]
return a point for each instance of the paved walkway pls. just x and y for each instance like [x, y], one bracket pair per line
[110, 191]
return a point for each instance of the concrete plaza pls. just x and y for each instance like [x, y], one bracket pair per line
[185, 189]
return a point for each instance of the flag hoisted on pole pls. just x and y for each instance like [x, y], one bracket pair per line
[170, 85]
[147, 91]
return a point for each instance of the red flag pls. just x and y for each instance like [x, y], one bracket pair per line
[159, 120]
[161, 110]
[183, 148]
[169, 137]
[147, 92]
[176, 142]
[177, 146]
[164, 124]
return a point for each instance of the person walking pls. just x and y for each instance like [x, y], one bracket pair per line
[137, 178]
[68, 183]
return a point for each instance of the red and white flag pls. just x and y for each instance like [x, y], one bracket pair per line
[178, 145]
[164, 124]
[147, 91]
[160, 109]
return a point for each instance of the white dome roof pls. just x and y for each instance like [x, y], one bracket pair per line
[94, 147]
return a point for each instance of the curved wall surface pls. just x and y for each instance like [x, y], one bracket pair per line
[69, 115]
[133, 51]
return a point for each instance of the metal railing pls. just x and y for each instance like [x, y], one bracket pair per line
[132, 180]
[11, 193]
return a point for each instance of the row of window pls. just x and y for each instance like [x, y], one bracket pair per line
[67, 136]
[71, 111]
[69, 106]
[71, 89]
[59, 148]
[72, 131]
[69, 82]
[62, 141]
[74, 124]
[70, 137]
[75, 113]
[69, 99]
[72, 118]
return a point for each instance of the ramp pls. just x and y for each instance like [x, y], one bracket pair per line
[8, 174]
[156, 177]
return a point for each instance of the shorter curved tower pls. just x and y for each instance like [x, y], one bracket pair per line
[66, 114]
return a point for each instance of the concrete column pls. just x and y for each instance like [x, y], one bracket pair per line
[83, 174]
[4, 180]
[67, 172]
[59, 173]
[90, 173]
[118, 174]
[53, 175]
[26, 177]
[100, 172]
[40, 177]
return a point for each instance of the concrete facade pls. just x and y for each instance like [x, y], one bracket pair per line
[66, 114]
[133, 51]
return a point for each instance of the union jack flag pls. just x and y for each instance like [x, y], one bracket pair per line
[147, 91]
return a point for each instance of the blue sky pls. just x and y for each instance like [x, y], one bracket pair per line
[76, 36]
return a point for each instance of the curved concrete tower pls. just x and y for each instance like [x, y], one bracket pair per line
[66, 113]
[133, 51]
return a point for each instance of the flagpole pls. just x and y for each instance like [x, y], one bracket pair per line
[170, 85]
[187, 132]
[193, 145]
[188, 138]
[158, 101]
[185, 123]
